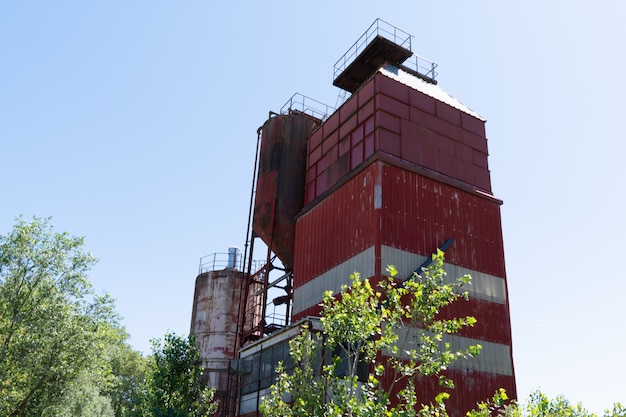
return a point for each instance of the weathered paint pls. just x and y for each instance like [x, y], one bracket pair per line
[469, 386]
[401, 116]
[393, 174]
[398, 169]
[309, 294]
[214, 323]
[484, 287]
[421, 213]
[494, 358]
[339, 227]
[417, 214]
[280, 181]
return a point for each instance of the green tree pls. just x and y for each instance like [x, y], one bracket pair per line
[538, 405]
[358, 327]
[127, 383]
[83, 398]
[53, 327]
[176, 387]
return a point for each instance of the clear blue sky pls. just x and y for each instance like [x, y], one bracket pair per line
[134, 124]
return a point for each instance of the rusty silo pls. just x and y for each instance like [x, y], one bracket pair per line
[280, 183]
[215, 319]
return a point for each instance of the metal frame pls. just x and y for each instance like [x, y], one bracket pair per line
[300, 102]
[378, 28]
[424, 67]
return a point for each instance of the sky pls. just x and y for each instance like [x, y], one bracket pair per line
[133, 123]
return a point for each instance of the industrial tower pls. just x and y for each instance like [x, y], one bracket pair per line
[399, 170]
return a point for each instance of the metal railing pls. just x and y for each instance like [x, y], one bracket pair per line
[378, 28]
[388, 31]
[307, 105]
[218, 261]
[421, 65]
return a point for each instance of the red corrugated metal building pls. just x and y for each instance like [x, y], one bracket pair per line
[397, 170]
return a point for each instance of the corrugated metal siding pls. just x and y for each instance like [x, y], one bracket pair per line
[490, 311]
[418, 214]
[337, 228]
[471, 386]
[493, 323]
[494, 357]
[484, 286]
[310, 293]
[419, 187]
[421, 213]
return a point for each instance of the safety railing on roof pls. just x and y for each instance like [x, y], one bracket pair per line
[422, 66]
[218, 261]
[307, 105]
[378, 28]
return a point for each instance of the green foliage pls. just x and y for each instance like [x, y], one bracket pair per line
[53, 328]
[84, 398]
[415, 305]
[127, 383]
[176, 387]
[538, 405]
[300, 392]
[62, 350]
[360, 330]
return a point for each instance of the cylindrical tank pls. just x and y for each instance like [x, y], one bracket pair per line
[214, 323]
[280, 182]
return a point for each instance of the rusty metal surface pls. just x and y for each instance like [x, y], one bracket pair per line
[389, 206]
[214, 321]
[367, 62]
[421, 213]
[337, 228]
[402, 117]
[280, 183]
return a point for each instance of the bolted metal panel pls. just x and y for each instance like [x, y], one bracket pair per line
[398, 115]
[280, 182]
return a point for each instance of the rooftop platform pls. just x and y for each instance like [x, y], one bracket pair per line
[382, 43]
[378, 52]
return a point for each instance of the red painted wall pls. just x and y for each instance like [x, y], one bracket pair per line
[389, 117]
[337, 228]
[421, 213]
[430, 161]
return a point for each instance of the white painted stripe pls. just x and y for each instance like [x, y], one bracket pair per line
[484, 286]
[310, 294]
[493, 357]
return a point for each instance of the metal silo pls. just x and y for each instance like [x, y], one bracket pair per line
[215, 318]
[280, 182]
